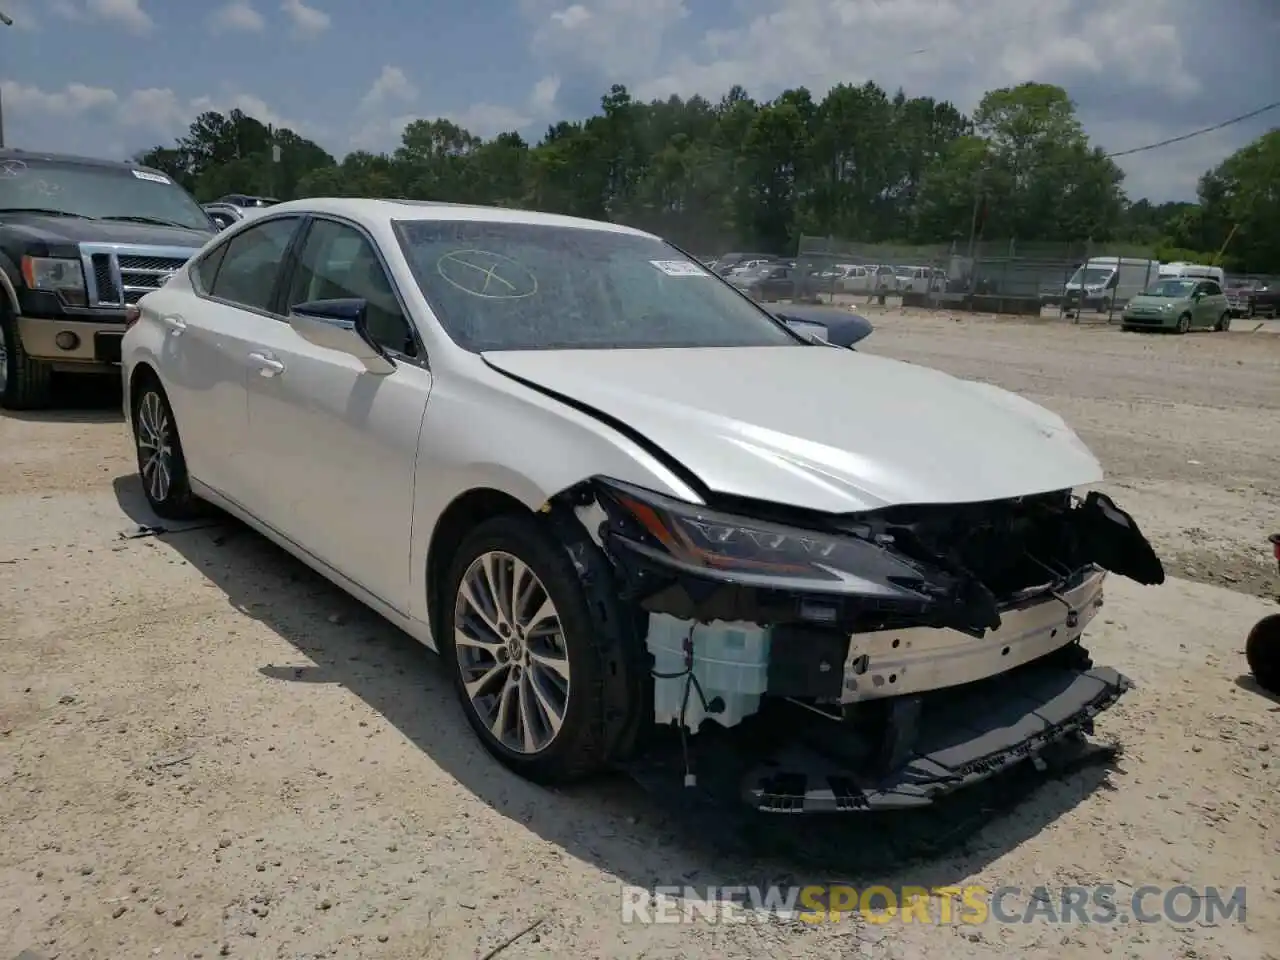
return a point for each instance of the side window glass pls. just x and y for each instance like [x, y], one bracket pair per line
[1213, 289]
[338, 262]
[204, 272]
[252, 263]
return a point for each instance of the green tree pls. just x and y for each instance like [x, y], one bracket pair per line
[859, 164]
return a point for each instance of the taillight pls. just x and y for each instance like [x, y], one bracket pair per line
[131, 314]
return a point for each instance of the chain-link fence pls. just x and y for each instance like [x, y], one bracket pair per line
[988, 276]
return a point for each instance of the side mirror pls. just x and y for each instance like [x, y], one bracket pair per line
[340, 325]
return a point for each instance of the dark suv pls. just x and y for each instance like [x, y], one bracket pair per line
[80, 240]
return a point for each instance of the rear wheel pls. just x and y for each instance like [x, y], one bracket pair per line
[25, 384]
[161, 463]
[523, 655]
[1224, 323]
[1184, 323]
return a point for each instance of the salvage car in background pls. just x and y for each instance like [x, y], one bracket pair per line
[1178, 304]
[80, 240]
[623, 501]
[1262, 300]
[834, 325]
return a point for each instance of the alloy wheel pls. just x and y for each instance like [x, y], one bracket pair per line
[511, 652]
[155, 445]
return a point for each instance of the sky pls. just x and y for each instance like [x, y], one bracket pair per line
[113, 77]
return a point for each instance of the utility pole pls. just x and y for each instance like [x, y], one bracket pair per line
[8, 22]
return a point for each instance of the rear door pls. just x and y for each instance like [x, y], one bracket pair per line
[208, 348]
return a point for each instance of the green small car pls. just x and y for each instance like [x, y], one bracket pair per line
[1178, 303]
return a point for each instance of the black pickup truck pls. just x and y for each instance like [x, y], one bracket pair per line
[80, 240]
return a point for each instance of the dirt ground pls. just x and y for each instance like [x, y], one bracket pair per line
[205, 750]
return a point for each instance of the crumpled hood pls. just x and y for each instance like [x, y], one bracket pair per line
[37, 229]
[820, 428]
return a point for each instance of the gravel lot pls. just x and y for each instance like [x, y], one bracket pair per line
[206, 750]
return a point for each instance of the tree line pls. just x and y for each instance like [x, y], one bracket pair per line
[860, 164]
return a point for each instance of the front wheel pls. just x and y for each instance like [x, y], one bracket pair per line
[524, 658]
[161, 463]
[1184, 323]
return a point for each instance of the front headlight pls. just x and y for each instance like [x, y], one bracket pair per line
[742, 550]
[1166, 308]
[59, 275]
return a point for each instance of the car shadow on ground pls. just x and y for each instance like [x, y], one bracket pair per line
[1247, 682]
[77, 399]
[609, 821]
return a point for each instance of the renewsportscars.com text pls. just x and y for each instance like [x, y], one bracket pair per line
[967, 905]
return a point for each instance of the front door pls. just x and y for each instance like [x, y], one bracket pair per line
[338, 443]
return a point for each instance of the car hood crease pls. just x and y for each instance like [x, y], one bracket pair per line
[821, 429]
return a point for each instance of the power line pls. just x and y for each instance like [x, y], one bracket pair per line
[1194, 133]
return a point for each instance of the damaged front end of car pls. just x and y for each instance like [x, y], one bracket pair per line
[820, 663]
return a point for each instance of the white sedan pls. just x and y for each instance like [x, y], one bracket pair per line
[612, 491]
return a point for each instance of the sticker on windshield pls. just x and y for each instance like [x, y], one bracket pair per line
[679, 268]
[153, 177]
[12, 168]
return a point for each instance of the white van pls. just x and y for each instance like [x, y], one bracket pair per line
[1106, 281]
[1197, 271]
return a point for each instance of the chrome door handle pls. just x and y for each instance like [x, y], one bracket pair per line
[267, 366]
[175, 324]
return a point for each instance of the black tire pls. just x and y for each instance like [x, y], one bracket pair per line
[1262, 651]
[1126, 328]
[27, 383]
[1224, 323]
[1184, 324]
[578, 749]
[173, 501]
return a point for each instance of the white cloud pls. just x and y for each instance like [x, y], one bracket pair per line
[543, 98]
[74, 100]
[307, 20]
[39, 118]
[618, 37]
[490, 119]
[126, 13]
[66, 10]
[1171, 172]
[238, 15]
[1136, 59]
[391, 85]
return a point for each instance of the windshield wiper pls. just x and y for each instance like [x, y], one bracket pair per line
[158, 221]
[46, 211]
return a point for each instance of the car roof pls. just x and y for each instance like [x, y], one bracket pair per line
[67, 159]
[370, 209]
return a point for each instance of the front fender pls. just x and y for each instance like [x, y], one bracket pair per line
[487, 432]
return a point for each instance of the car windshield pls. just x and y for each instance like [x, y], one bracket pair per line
[521, 286]
[1093, 276]
[1170, 288]
[100, 192]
